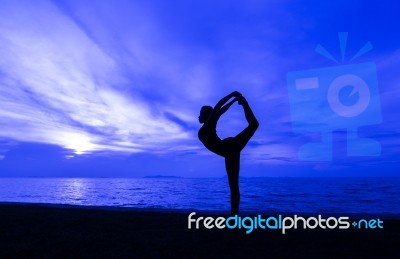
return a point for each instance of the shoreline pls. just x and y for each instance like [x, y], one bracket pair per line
[393, 216]
[37, 230]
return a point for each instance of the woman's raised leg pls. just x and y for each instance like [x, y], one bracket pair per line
[243, 137]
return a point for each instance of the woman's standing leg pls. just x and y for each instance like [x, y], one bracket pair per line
[232, 165]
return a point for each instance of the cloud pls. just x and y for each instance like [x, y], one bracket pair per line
[272, 154]
[126, 77]
[59, 87]
[82, 80]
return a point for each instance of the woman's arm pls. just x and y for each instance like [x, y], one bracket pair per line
[226, 107]
[217, 108]
[221, 102]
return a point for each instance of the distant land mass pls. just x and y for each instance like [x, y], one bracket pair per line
[162, 176]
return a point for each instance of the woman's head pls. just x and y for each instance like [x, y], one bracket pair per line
[205, 113]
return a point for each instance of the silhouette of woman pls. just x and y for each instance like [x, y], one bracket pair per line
[229, 148]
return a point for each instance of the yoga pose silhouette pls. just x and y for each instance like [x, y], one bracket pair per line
[229, 148]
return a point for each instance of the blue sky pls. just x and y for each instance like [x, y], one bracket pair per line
[113, 88]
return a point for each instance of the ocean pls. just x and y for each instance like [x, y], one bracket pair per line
[261, 195]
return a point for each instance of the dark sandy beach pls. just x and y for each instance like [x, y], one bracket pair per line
[28, 230]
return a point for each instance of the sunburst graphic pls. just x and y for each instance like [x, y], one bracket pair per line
[343, 43]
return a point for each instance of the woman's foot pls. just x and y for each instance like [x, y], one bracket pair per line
[241, 100]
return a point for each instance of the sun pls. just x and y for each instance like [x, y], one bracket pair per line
[79, 143]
